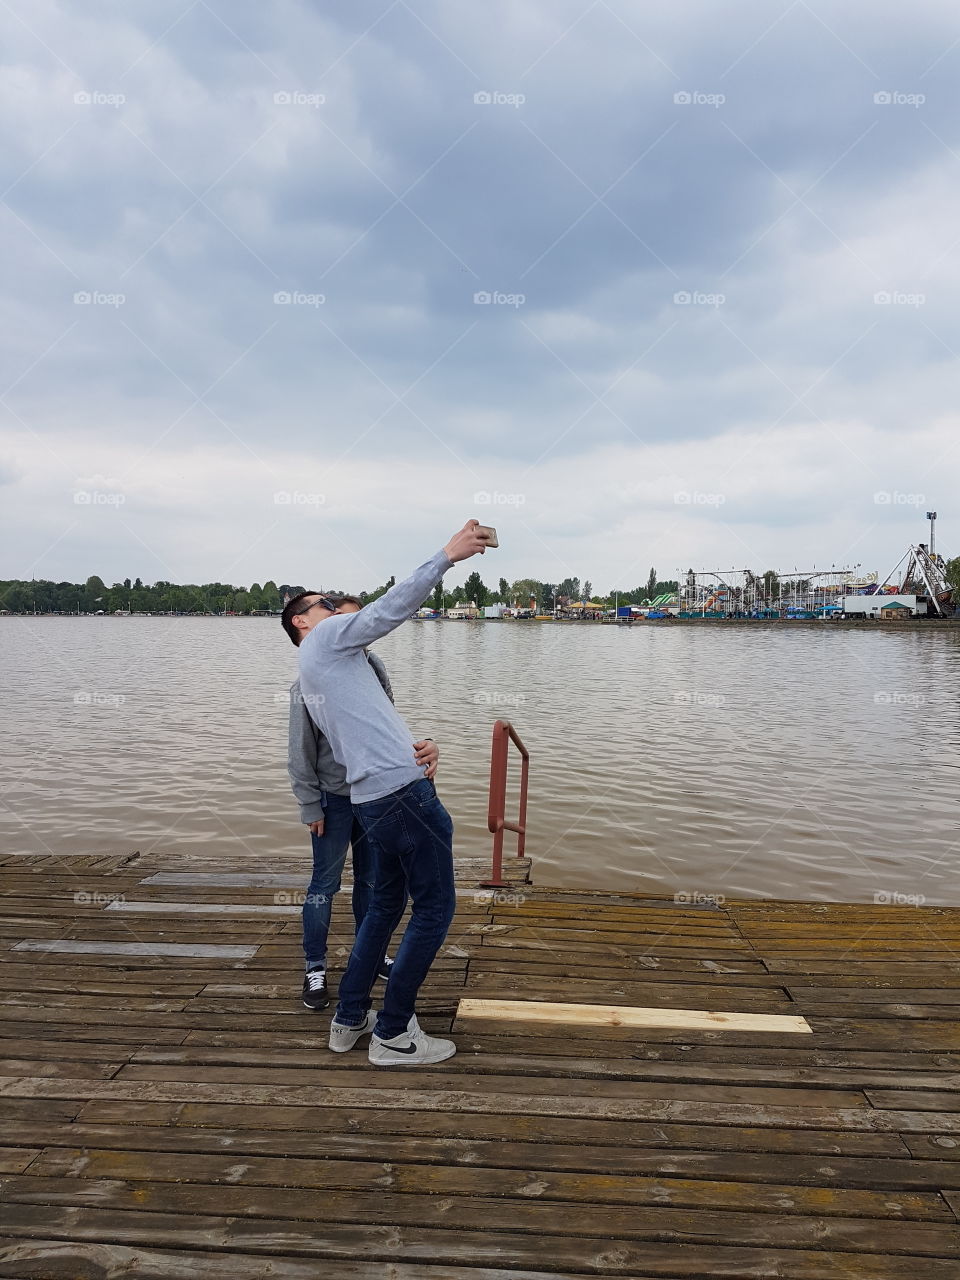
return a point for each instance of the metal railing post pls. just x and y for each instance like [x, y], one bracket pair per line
[503, 733]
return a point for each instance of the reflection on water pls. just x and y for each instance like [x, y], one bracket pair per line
[812, 763]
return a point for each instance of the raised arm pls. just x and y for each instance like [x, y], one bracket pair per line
[354, 630]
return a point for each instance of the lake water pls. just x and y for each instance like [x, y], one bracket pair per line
[818, 762]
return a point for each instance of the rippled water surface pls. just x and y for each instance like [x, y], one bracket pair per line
[818, 763]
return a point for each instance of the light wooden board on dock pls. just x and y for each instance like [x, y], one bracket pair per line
[610, 1015]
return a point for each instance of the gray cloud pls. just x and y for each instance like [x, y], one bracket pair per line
[782, 213]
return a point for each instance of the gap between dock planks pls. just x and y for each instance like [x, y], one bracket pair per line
[612, 1015]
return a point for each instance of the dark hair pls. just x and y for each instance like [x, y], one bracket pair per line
[290, 609]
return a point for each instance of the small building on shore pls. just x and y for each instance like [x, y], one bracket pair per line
[870, 606]
[895, 611]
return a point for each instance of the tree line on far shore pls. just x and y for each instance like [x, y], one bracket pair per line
[134, 596]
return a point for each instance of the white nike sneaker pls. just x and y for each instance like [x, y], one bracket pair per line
[343, 1038]
[412, 1048]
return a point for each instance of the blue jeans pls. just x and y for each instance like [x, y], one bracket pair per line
[411, 841]
[340, 831]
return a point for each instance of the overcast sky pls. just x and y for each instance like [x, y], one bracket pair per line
[249, 247]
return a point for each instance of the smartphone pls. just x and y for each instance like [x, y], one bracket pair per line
[488, 534]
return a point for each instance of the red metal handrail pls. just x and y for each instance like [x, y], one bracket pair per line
[503, 733]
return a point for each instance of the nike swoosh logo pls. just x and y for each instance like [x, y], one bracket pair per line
[410, 1048]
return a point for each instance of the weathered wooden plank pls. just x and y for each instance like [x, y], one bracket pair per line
[497, 1248]
[15, 1159]
[530, 951]
[474, 1214]
[157, 908]
[28, 1109]
[10, 1000]
[469, 1127]
[62, 1050]
[227, 879]
[79, 1029]
[623, 1016]
[208, 950]
[896, 1098]
[377, 1078]
[333, 1173]
[91, 1260]
[924, 1147]
[546, 1067]
[736, 1164]
[811, 1116]
[71, 1069]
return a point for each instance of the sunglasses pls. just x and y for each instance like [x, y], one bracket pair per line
[324, 602]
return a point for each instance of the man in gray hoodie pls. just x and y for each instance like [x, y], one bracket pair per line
[410, 832]
[319, 783]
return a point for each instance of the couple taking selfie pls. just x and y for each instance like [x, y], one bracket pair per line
[363, 782]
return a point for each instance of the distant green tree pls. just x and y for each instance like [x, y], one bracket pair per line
[438, 597]
[588, 590]
[652, 584]
[504, 590]
[367, 597]
[523, 590]
[546, 596]
[952, 574]
[475, 590]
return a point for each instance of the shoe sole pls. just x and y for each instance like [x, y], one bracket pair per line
[316, 1008]
[406, 1062]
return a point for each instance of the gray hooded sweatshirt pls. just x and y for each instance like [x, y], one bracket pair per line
[343, 695]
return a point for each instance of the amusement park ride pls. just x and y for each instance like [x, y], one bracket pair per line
[924, 576]
[817, 592]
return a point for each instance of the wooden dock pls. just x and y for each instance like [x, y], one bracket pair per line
[170, 1109]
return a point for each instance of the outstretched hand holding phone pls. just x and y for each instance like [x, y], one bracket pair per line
[467, 542]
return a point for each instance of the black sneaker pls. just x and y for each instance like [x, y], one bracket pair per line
[384, 970]
[315, 994]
